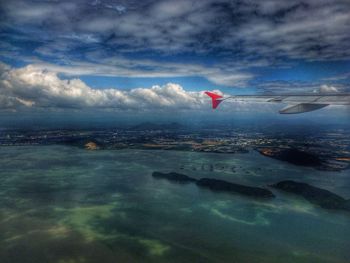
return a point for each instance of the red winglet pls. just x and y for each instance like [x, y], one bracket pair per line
[215, 99]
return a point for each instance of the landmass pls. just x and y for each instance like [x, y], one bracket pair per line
[292, 155]
[91, 146]
[216, 185]
[305, 157]
[154, 126]
[176, 177]
[224, 186]
[315, 195]
[327, 150]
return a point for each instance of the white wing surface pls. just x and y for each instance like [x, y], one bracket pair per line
[297, 103]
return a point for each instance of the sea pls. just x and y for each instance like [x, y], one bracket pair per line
[65, 204]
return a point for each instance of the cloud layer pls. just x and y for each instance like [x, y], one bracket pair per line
[32, 87]
[313, 29]
[230, 43]
[118, 66]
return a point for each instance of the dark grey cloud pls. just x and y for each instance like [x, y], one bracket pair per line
[312, 30]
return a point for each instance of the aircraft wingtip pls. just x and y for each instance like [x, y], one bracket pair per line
[215, 99]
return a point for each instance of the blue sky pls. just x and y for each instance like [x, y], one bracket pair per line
[58, 54]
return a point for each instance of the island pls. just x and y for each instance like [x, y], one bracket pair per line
[216, 185]
[175, 177]
[224, 186]
[291, 155]
[315, 195]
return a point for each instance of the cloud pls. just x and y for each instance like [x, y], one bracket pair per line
[339, 77]
[32, 87]
[313, 30]
[300, 87]
[327, 89]
[116, 66]
[36, 88]
[272, 29]
[229, 43]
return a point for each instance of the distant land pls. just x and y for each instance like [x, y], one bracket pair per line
[327, 150]
[156, 126]
[292, 155]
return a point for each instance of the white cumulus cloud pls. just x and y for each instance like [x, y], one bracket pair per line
[327, 89]
[33, 87]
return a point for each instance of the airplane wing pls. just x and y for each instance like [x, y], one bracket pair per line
[297, 103]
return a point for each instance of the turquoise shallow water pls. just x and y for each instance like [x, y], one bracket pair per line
[65, 204]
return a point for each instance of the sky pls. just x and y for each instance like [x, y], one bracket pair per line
[146, 57]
